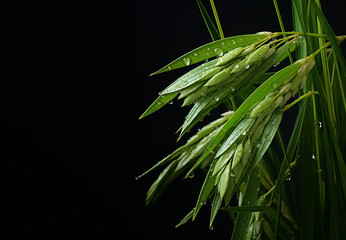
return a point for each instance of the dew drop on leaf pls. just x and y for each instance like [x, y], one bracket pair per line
[218, 52]
[186, 60]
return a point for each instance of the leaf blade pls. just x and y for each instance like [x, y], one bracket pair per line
[213, 49]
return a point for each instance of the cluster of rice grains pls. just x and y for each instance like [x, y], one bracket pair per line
[210, 84]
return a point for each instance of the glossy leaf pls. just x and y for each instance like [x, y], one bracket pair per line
[213, 49]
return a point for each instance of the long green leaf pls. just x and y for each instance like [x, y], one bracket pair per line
[213, 49]
[242, 223]
[331, 36]
[213, 32]
[161, 101]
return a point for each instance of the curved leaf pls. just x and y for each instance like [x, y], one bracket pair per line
[213, 49]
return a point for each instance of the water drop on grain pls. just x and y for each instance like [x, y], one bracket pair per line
[218, 52]
[186, 60]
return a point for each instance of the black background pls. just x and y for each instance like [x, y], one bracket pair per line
[75, 81]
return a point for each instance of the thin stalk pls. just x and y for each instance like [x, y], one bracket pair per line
[281, 25]
[308, 94]
[217, 19]
[277, 223]
[317, 156]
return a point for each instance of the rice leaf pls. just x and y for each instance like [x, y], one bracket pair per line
[243, 221]
[213, 49]
[186, 218]
[331, 36]
[206, 190]
[161, 101]
[248, 208]
[197, 74]
[215, 207]
[213, 32]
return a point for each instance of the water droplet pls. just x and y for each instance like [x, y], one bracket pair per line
[159, 103]
[319, 124]
[223, 43]
[232, 89]
[195, 54]
[192, 175]
[274, 85]
[208, 48]
[186, 60]
[169, 67]
[244, 133]
[217, 98]
[276, 64]
[247, 66]
[313, 156]
[171, 102]
[211, 228]
[198, 129]
[218, 52]
[232, 174]
[288, 177]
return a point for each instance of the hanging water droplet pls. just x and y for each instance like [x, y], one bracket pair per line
[218, 52]
[171, 102]
[211, 228]
[186, 60]
[313, 156]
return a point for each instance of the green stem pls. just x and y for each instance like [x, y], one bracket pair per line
[317, 156]
[308, 94]
[217, 19]
[281, 26]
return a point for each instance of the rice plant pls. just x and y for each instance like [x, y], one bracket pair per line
[236, 149]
